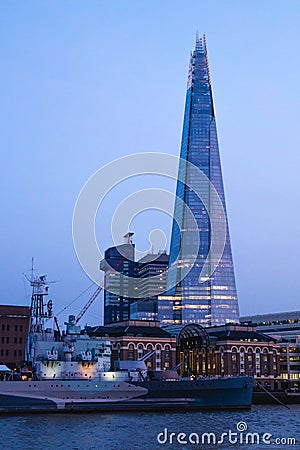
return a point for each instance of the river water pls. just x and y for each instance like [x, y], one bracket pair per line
[267, 427]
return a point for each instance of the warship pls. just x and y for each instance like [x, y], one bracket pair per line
[71, 372]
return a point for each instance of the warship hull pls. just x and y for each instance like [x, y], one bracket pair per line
[122, 396]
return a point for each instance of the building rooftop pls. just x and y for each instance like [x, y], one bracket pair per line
[14, 311]
[231, 331]
[272, 318]
[155, 258]
[129, 328]
[283, 325]
[239, 335]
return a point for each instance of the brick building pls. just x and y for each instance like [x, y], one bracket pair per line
[133, 339]
[14, 326]
[227, 350]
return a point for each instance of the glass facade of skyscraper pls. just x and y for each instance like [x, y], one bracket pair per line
[212, 300]
[118, 292]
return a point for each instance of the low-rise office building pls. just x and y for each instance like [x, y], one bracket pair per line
[285, 328]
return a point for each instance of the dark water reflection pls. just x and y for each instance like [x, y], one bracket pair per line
[139, 431]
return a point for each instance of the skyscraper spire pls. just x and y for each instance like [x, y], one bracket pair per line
[199, 42]
[212, 300]
[206, 57]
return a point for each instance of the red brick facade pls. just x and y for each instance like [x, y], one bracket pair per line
[133, 348]
[14, 325]
[233, 350]
[135, 338]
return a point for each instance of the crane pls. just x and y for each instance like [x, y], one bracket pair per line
[89, 303]
[82, 312]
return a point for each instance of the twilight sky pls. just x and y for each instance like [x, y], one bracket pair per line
[84, 83]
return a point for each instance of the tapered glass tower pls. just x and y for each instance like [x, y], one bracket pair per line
[211, 300]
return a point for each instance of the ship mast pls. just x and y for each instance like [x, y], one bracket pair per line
[40, 309]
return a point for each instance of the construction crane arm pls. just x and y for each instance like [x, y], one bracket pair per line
[88, 304]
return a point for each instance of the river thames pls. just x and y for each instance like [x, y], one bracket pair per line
[265, 426]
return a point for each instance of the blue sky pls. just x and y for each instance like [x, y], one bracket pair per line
[84, 83]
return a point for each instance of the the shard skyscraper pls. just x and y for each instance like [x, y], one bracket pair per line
[212, 300]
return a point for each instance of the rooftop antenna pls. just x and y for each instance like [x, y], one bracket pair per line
[128, 237]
